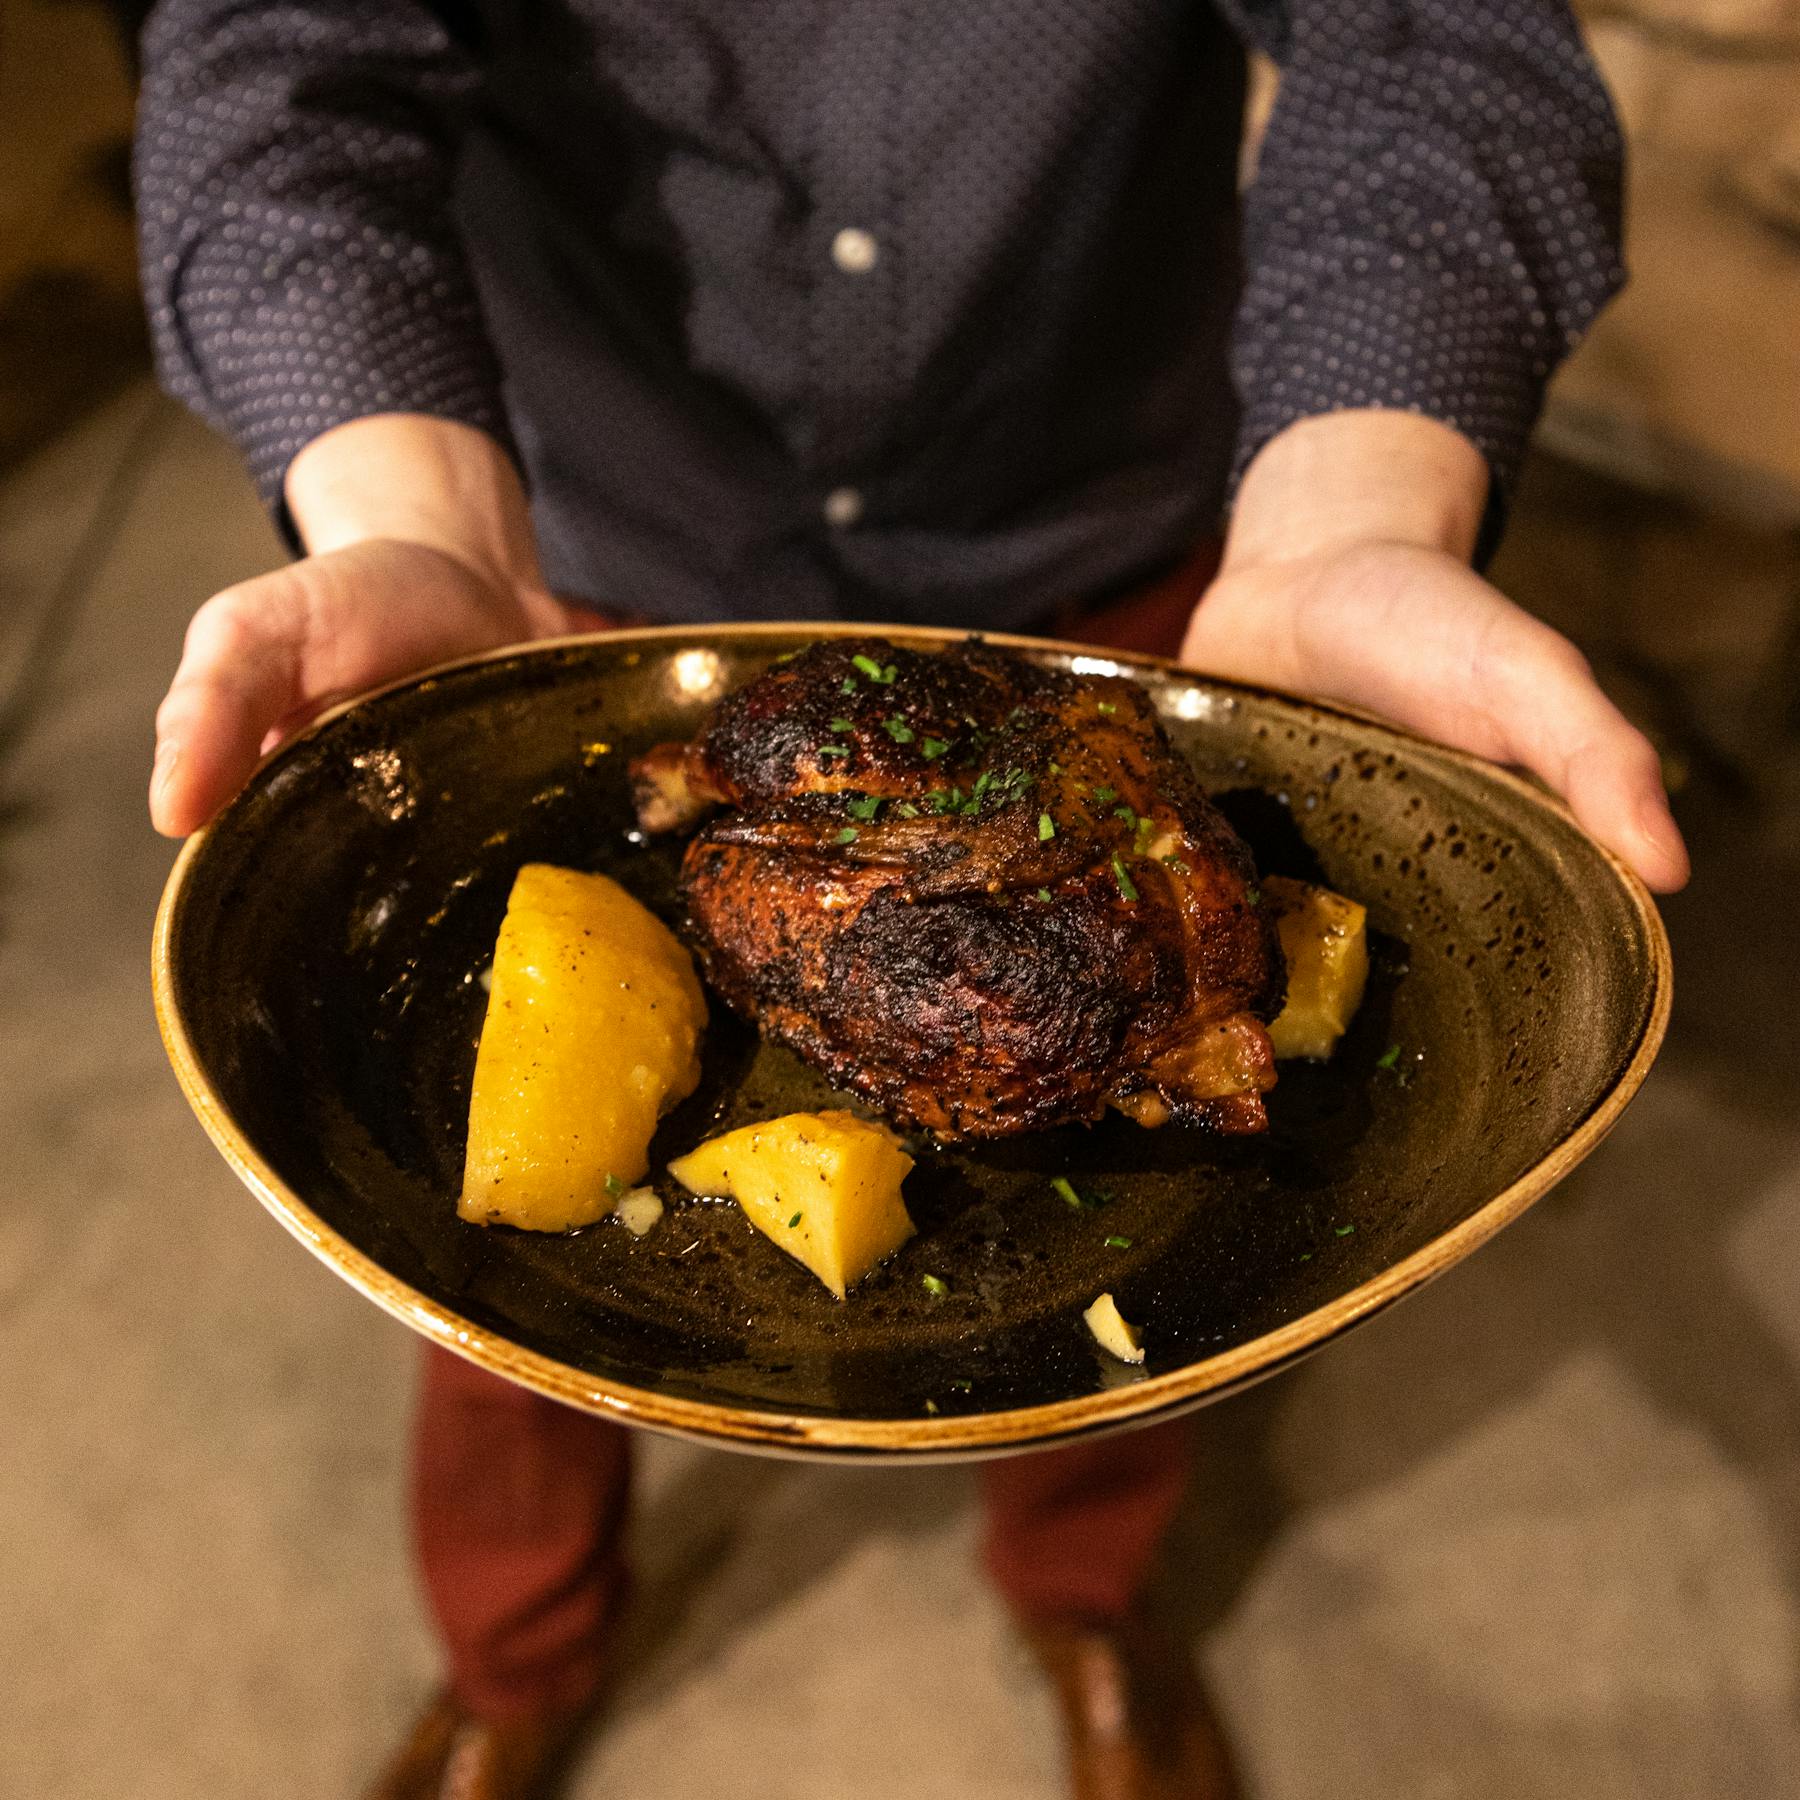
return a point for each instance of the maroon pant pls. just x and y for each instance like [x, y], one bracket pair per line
[519, 1503]
[519, 1506]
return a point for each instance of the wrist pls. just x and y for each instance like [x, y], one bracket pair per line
[1332, 483]
[412, 478]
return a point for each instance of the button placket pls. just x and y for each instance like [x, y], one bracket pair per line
[853, 298]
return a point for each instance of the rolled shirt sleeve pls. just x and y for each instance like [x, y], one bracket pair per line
[301, 268]
[1434, 219]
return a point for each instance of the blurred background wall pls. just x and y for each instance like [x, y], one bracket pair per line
[71, 329]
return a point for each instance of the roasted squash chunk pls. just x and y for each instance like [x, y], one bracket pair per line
[592, 1033]
[824, 1186]
[1325, 941]
[1111, 1332]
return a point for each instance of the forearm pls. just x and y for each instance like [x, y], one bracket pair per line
[1323, 514]
[1346, 478]
[418, 480]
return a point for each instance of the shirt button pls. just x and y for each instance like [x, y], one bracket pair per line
[843, 507]
[854, 250]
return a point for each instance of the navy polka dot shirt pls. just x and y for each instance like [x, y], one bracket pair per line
[920, 309]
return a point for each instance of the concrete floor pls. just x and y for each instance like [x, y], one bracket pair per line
[1534, 1536]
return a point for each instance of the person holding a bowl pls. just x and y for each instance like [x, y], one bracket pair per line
[936, 312]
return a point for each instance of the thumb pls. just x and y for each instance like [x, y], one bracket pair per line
[240, 672]
[1554, 719]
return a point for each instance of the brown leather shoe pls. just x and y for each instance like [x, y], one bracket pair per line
[1139, 1725]
[452, 1755]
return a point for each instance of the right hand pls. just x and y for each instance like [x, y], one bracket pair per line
[263, 657]
[422, 551]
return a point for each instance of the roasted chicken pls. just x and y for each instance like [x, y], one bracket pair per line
[985, 895]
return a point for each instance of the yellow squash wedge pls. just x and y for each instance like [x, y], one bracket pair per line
[592, 1033]
[1325, 940]
[824, 1186]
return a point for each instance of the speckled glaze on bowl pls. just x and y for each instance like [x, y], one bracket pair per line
[317, 964]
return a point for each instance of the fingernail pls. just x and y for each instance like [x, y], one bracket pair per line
[168, 754]
[1658, 832]
[1654, 824]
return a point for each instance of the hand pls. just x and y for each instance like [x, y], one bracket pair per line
[422, 551]
[263, 657]
[1401, 626]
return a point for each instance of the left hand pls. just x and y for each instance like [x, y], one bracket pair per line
[1322, 594]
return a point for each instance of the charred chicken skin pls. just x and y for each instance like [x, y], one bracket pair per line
[987, 896]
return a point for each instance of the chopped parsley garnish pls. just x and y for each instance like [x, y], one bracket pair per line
[1046, 828]
[1125, 887]
[1389, 1059]
[866, 807]
[1145, 827]
[983, 782]
[1105, 706]
[1044, 895]
[1056, 768]
[795, 1220]
[842, 725]
[1253, 896]
[846, 836]
[898, 730]
[907, 810]
[614, 1186]
[963, 1386]
[935, 1287]
[847, 685]
[931, 1406]
[1125, 814]
[954, 800]
[882, 677]
[1104, 796]
[1177, 864]
[832, 750]
[1091, 1201]
[1014, 784]
[932, 748]
[1118, 1243]
[1345, 1230]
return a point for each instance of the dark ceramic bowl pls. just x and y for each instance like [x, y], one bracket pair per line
[317, 962]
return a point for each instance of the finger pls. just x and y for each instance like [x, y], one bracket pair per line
[577, 618]
[549, 615]
[239, 674]
[303, 715]
[1616, 791]
[1559, 724]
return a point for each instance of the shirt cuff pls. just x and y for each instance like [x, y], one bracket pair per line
[1432, 343]
[319, 358]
